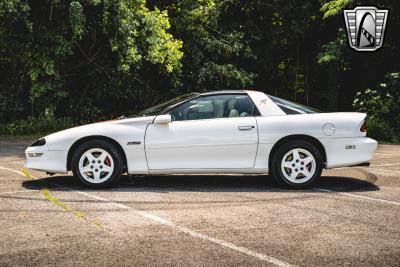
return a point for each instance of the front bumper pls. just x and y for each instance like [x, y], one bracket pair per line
[41, 159]
[344, 152]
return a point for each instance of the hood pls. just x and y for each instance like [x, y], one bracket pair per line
[115, 129]
[101, 125]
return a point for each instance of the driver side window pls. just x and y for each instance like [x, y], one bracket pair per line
[214, 106]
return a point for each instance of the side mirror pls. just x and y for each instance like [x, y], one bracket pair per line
[163, 119]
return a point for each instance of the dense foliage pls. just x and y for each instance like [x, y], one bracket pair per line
[383, 107]
[81, 58]
[86, 60]
[36, 126]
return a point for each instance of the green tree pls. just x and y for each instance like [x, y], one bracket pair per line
[215, 53]
[52, 46]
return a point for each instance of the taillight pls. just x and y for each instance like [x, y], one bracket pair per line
[364, 128]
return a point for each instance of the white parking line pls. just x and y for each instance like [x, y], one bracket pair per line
[382, 158]
[377, 169]
[371, 167]
[183, 229]
[390, 154]
[359, 196]
[12, 170]
[385, 164]
[16, 192]
[390, 187]
[188, 231]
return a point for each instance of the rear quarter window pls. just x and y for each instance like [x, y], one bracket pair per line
[292, 108]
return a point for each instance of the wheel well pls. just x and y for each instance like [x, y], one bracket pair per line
[307, 138]
[96, 137]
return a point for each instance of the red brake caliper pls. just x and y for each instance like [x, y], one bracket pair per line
[309, 167]
[107, 162]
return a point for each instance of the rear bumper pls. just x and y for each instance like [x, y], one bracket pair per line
[344, 152]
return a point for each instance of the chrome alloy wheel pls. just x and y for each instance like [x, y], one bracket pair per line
[298, 165]
[96, 165]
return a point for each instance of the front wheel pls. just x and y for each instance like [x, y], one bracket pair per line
[97, 164]
[297, 164]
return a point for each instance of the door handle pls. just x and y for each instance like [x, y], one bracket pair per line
[245, 128]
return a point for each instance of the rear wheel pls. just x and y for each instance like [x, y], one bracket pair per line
[297, 164]
[97, 164]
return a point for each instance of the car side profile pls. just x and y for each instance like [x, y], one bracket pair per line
[220, 132]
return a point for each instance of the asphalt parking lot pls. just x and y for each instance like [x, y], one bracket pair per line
[351, 216]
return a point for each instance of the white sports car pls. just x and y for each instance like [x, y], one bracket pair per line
[216, 132]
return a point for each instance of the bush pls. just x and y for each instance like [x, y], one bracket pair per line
[381, 130]
[35, 126]
[383, 108]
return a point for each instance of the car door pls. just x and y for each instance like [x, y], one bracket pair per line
[209, 132]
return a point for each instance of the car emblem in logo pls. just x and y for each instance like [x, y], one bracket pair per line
[365, 27]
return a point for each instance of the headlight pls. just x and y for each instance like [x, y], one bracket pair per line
[34, 155]
[39, 142]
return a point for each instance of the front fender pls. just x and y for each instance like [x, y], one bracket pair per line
[128, 133]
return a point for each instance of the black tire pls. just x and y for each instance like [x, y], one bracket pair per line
[281, 152]
[112, 151]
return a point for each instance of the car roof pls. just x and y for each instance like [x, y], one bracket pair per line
[223, 92]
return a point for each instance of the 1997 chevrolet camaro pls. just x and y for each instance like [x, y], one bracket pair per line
[216, 132]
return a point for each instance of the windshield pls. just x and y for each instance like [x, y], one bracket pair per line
[158, 109]
[291, 107]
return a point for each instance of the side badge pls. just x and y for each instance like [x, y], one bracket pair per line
[134, 143]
